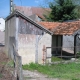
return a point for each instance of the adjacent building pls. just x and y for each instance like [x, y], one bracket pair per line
[35, 13]
[2, 24]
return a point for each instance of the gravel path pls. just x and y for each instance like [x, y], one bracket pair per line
[29, 75]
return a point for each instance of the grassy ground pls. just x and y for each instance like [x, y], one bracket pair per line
[70, 71]
[55, 59]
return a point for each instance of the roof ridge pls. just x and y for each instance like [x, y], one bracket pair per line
[32, 7]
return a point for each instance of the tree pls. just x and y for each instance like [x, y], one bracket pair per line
[62, 10]
[77, 3]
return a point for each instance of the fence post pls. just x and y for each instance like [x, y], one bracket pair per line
[44, 55]
[75, 52]
[20, 68]
[17, 65]
[61, 52]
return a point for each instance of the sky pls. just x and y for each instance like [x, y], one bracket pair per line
[5, 5]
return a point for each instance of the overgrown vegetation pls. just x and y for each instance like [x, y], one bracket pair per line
[70, 71]
[6, 65]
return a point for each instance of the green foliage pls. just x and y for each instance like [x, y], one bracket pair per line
[70, 71]
[55, 59]
[78, 53]
[31, 66]
[0, 75]
[10, 63]
[76, 79]
[62, 10]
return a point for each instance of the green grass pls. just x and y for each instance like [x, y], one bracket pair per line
[70, 71]
[55, 59]
[10, 63]
[0, 75]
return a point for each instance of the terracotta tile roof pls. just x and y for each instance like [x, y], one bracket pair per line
[49, 25]
[33, 10]
[65, 28]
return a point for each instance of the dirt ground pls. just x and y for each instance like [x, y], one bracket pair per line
[5, 71]
[34, 75]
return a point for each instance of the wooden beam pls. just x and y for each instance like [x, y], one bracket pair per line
[61, 45]
[75, 44]
[61, 40]
[56, 40]
[56, 43]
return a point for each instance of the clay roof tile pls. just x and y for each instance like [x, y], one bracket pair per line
[65, 28]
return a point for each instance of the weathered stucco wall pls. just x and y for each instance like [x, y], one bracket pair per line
[78, 43]
[68, 43]
[10, 31]
[27, 47]
[30, 42]
[46, 40]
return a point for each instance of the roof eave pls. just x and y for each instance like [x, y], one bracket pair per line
[18, 13]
